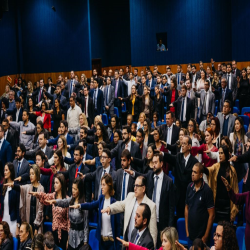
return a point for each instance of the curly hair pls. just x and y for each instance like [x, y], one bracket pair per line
[229, 240]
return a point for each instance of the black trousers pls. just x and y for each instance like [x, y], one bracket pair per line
[64, 238]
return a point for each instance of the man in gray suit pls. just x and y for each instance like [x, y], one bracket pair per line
[109, 97]
[42, 145]
[207, 101]
[70, 85]
[226, 119]
[21, 166]
[231, 80]
[191, 95]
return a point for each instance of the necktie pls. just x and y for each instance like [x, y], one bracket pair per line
[107, 96]
[85, 107]
[182, 109]
[123, 186]
[70, 91]
[104, 171]
[116, 88]
[19, 164]
[95, 99]
[136, 238]
[178, 81]
[204, 105]
[155, 188]
[40, 94]
[76, 172]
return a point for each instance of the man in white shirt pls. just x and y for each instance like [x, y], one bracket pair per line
[73, 113]
[129, 83]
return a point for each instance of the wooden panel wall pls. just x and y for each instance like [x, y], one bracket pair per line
[162, 68]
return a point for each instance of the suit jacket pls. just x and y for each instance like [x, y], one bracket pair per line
[119, 182]
[31, 154]
[189, 108]
[127, 207]
[70, 175]
[114, 219]
[36, 93]
[109, 101]
[236, 73]
[175, 134]
[121, 91]
[99, 100]
[68, 85]
[145, 240]
[63, 99]
[181, 172]
[69, 139]
[182, 78]
[96, 177]
[24, 171]
[231, 121]
[117, 151]
[167, 199]
[5, 153]
[211, 102]
[228, 96]
[12, 138]
[53, 87]
[233, 84]
[152, 88]
[13, 112]
[168, 93]
[194, 101]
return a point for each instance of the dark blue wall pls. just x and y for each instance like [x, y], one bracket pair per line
[8, 42]
[240, 30]
[110, 31]
[197, 30]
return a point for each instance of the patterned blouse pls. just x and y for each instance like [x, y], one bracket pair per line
[76, 216]
[60, 215]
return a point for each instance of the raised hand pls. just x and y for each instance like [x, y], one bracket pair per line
[81, 175]
[225, 182]
[124, 243]
[106, 210]
[130, 172]
[18, 178]
[53, 169]
[9, 184]
[33, 194]
[51, 202]
[179, 246]
[75, 206]
[233, 158]
[164, 143]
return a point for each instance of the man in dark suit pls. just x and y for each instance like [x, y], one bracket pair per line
[21, 165]
[170, 132]
[126, 143]
[38, 93]
[5, 148]
[141, 85]
[141, 235]
[42, 145]
[70, 84]
[184, 105]
[87, 104]
[17, 112]
[195, 77]
[160, 189]
[224, 93]
[201, 69]
[119, 88]
[96, 176]
[10, 135]
[109, 98]
[74, 170]
[231, 80]
[180, 77]
[64, 130]
[64, 91]
[50, 86]
[235, 71]
[97, 95]
[151, 83]
[182, 164]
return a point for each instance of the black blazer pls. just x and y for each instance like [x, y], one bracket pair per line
[119, 182]
[53, 87]
[70, 175]
[130, 106]
[175, 134]
[96, 177]
[182, 174]
[228, 96]
[167, 199]
[189, 108]
[13, 114]
[159, 106]
[31, 154]
[168, 93]
[117, 151]
[24, 171]
[121, 92]
[145, 240]
[12, 138]
[7, 244]
[141, 165]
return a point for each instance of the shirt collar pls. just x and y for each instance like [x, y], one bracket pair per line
[21, 161]
[66, 136]
[159, 175]
[107, 169]
[140, 233]
[193, 186]
[171, 126]
[186, 158]
[129, 144]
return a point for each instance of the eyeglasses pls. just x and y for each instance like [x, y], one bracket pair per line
[104, 157]
[217, 235]
[137, 185]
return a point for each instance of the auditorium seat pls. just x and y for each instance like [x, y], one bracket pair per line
[215, 110]
[105, 119]
[124, 108]
[236, 110]
[93, 242]
[116, 111]
[240, 185]
[47, 226]
[211, 240]
[52, 125]
[216, 103]
[31, 162]
[93, 224]
[15, 243]
[246, 128]
[244, 110]
[240, 232]
[182, 231]
[245, 118]
[237, 103]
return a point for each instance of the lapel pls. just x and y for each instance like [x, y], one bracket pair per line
[129, 208]
[100, 174]
[164, 182]
[22, 166]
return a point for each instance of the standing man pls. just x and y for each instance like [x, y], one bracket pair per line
[129, 83]
[191, 95]
[38, 93]
[151, 83]
[97, 95]
[5, 149]
[231, 80]
[140, 141]
[180, 77]
[109, 97]
[199, 209]
[73, 113]
[70, 84]
[235, 71]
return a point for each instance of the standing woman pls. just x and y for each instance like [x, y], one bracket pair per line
[10, 200]
[79, 221]
[208, 162]
[159, 103]
[216, 81]
[108, 226]
[192, 132]
[148, 138]
[243, 89]
[142, 118]
[147, 103]
[201, 82]
[172, 94]
[31, 210]
[145, 165]
[224, 209]
[114, 125]
[133, 103]
[238, 140]
[6, 239]
[3, 111]
[215, 126]
[31, 108]
[60, 222]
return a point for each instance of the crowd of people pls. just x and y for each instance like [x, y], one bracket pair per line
[159, 155]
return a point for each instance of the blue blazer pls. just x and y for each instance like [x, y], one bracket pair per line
[14, 197]
[152, 89]
[5, 153]
[121, 92]
[70, 140]
[100, 100]
[115, 219]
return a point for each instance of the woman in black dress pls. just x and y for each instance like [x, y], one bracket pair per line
[243, 89]
[31, 108]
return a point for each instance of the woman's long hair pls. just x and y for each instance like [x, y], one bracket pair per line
[6, 229]
[242, 130]
[226, 163]
[104, 131]
[65, 147]
[62, 181]
[12, 175]
[80, 185]
[58, 152]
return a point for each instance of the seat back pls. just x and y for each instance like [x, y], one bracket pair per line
[93, 242]
[245, 118]
[15, 243]
[240, 232]
[244, 110]
[213, 229]
[182, 231]
[116, 111]
[47, 227]
[105, 119]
